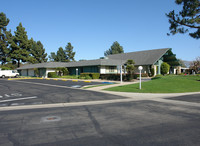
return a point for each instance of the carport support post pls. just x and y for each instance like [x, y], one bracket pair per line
[121, 73]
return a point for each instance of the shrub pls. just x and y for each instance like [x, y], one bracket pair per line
[52, 75]
[95, 75]
[116, 77]
[128, 77]
[85, 74]
[135, 76]
[87, 77]
[164, 68]
[91, 75]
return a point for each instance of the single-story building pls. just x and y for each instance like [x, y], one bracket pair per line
[109, 65]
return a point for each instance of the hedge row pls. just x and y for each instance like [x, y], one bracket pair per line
[90, 75]
[52, 75]
[116, 77]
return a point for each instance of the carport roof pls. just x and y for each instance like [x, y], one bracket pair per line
[148, 57]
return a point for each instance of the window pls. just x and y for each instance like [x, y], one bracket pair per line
[111, 69]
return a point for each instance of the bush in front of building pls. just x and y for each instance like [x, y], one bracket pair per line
[165, 68]
[52, 75]
[91, 75]
[95, 75]
[137, 75]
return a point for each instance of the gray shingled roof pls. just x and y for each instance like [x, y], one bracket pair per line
[148, 57]
[109, 62]
[43, 65]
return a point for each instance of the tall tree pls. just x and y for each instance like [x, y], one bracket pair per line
[114, 49]
[5, 37]
[171, 59]
[20, 46]
[53, 57]
[69, 52]
[61, 56]
[188, 17]
[38, 52]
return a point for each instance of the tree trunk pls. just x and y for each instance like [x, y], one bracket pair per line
[18, 63]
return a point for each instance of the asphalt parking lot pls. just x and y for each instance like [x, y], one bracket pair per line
[32, 92]
[141, 122]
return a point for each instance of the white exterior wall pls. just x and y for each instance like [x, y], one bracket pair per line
[102, 70]
[108, 70]
[49, 70]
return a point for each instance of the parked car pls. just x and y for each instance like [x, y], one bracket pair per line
[8, 73]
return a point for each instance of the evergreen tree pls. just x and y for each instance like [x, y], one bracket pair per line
[20, 46]
[114, 49]
[38, 52]
[69, 52]
[130, 66]
[5, 37]
[171, 59]
[188, 17]
[53, 57]
[61, 56]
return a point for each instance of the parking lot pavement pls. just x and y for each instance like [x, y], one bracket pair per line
[117, 124]
[189, 98]
[32, 92]
[61, 82]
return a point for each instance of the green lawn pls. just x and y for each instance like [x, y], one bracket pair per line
[164, 84]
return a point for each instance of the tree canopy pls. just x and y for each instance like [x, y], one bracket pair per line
[20, 46]
[130, 66]
[38, 52]
[188, 17]
[61, 56]
[114, 49]
[66, 55]
[5, 38]
[171, 59]
[69, 52]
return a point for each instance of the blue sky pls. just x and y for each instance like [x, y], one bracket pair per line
[93, 25]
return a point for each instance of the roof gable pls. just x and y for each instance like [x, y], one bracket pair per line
[147, 57]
